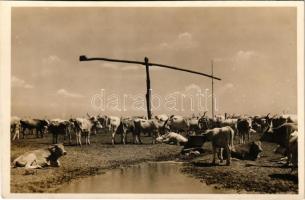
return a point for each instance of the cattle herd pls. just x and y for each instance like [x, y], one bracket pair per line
[220, 130]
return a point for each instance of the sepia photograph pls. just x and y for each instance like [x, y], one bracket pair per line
[153, 99]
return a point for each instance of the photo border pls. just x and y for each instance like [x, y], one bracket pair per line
[5, 94]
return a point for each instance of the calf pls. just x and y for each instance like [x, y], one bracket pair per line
[221, 138]
[41, 158]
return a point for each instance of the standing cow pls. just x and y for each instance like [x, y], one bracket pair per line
[84, 127]
[126, 126]
[112, 124]
[177, 124]
[222, 139]
[60, 127]
[243, 128]
[281, 136]
[39, 125]
[150, 126]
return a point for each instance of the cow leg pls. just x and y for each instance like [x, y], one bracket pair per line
[227, 149]
[113, 137]
[221, 155]
[78, 138]
[153, 137]
[123, 137]
[139, 138]
[89, 138]
[134, 138]
[241, 138]
[214, 155]
[32, 164]
[16, 135]
[23, 133]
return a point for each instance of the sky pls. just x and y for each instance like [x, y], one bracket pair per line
[253, 50]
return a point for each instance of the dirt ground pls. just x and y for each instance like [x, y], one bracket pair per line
[263, 176]
[83, 161]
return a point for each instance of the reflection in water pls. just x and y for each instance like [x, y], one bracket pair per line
[155, 177]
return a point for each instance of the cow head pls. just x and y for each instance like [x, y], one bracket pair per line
[95, 123]
[57, 150]
[102, 120]
[278, 121]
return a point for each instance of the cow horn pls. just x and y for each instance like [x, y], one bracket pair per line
[268, 115]
[88, 115]
[274, 116]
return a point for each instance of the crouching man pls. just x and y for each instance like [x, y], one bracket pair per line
[41, 157]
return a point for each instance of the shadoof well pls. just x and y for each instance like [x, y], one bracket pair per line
[147, 64]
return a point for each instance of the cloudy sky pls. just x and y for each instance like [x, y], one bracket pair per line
[253, 49]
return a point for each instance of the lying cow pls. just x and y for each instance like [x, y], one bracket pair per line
[222, 139]
[41, 158]
[249, 151]
[172, 138]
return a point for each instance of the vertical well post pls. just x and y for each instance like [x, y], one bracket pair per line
[148, 90]
[212, 91]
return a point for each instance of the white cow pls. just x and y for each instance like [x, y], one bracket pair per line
[41, 157]
[177, 124]
[112, 124]
[172, 137]
[162, 117]
[85, 126]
